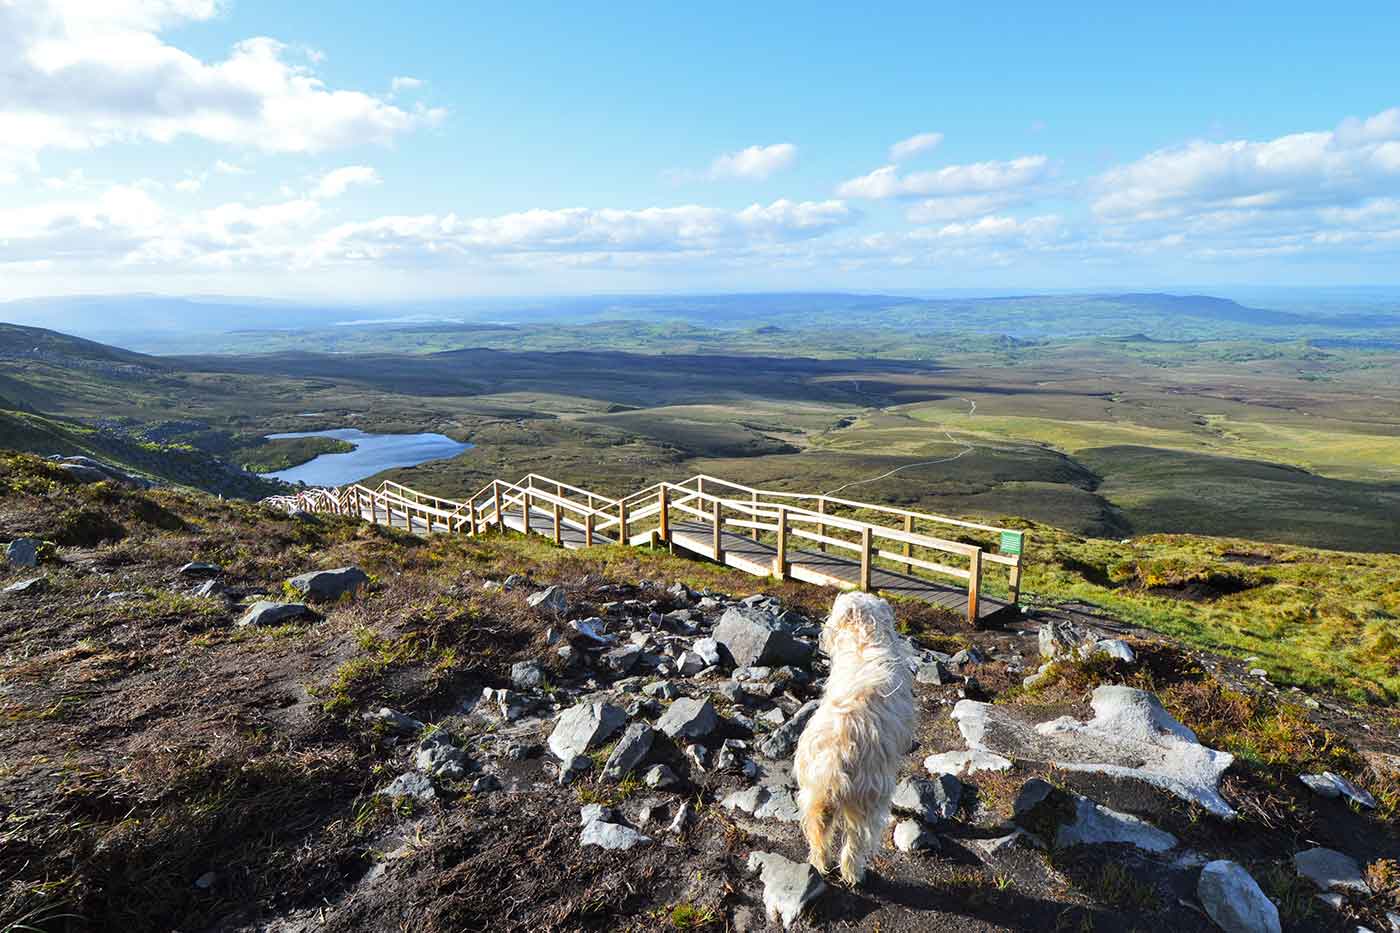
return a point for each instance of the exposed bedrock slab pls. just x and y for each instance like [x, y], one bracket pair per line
[1130, 737]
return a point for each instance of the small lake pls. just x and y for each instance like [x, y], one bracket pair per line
[372, 454]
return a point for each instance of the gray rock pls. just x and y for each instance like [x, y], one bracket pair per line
[765, 803]
[782, 741]
[913, 836]
[22, 552]
[199, 569]
[708, 650]
[682, 818]
[266, 612]
[1331, 785]
[596, 811]
[611, 836]
[209, 589]
[631, 750]
[1066, 819]
[1233, 899]
[1016, 839]
[968, 657]
[486, 784]
[84, 474]
[689, 663]
[329, 585]
[929, 800]
[1130, 737]
[414, 785]
[730, 691]
[788, 886]
[439, 756]
[966, 763]
[394, 722]
[527, 675]
[30, 586]
[1117, 648]
[1331, 870]
[688, 717]
[584, 727]
[660, 777]
[662, 690]
[550, 599]
[622, 660]
[571, 768]
[1058, 638]
[934, 673]
[752, 637]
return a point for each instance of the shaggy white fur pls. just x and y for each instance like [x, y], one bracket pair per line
[849, 754]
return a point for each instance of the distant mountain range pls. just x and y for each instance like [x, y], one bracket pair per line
[174, 324]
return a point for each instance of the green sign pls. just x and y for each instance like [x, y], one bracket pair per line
[1011, 542]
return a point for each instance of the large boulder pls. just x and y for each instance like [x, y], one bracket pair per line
[329, 585]
[1233, 899]
[584, 727]
[754, 638]
[1131, 737]
[788, 886]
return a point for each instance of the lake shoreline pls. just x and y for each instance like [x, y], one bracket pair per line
[370, 454]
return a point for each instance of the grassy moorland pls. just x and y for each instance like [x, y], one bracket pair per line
[166, 769]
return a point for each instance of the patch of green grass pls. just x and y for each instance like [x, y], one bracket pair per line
[1116, 885]
[687, 916]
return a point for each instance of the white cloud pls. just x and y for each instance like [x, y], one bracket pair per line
[188, 185]
[908, 148]
[952, 180]
[1300, 171]
[756, 162]
[80, 74]
[228, 168]
[405, 83]
[334, 183]
[960, 207]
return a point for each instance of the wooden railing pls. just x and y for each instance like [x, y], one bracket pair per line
[877, 535]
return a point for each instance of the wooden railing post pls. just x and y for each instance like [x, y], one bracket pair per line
[754, 516]
[821, 526]
[974, 583]
[588, 528]
[664, 528]
[500, 516]
[717, 530]
[1014, 577]
[622, 523]
[558, 529]
[525, 508]
[471, 516]
[780, 561]
[908, 545]
[865, 558]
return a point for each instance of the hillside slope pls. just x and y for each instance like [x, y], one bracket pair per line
[168, 768]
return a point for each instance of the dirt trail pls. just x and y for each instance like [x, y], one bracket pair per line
[967, 449]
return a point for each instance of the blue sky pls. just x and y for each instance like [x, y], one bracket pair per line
[329, 150]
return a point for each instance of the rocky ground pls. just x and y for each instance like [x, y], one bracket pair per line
[208, 731]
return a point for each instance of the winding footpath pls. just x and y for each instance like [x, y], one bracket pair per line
[967, 449]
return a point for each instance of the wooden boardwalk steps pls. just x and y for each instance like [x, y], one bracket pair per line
[818, 539]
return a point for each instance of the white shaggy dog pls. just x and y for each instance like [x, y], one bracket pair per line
[849, 754]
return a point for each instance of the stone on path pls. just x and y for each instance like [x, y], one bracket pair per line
[788, 886]
[661, 777]
[584, 727]
[765, 802]
[1331, 870]
[267, 612]
[414, 785]
[930, 800]
[913, 836]
[439, 755]
[1233, 899]
[32, 585]
[688, 717]
[753, 638]
[550, 599]
[395, 722]
[22, 552]
[329, 585]
[965, 763]
[1131, 737]
[630, 751]
[611, 836]
[1331, 785]
[934, 673]
[782, 741]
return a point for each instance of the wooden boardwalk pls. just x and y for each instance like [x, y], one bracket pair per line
[756, 557]
[846, 544]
